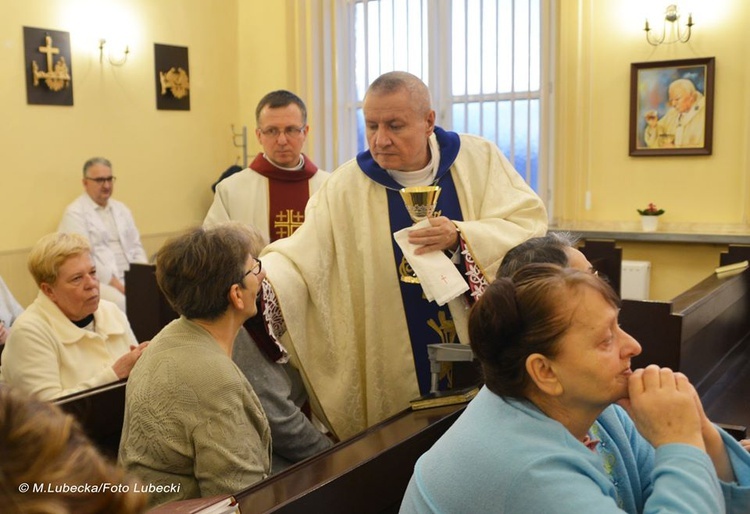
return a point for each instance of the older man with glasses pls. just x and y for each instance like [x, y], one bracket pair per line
[272, 193]
[109, 227]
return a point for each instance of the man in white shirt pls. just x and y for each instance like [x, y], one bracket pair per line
[109, 227]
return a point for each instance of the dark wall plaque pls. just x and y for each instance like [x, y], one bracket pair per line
[172, 74]
[49, 67]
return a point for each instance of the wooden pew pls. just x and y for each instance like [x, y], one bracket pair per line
[704, 333]
[708, 339]
[147, 309]
[698, 330]
[101, 412]
[367, 473]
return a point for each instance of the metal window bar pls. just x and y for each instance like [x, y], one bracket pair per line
[512, 156]
[466, 61]
[366, 16]
[527, 171]
[497, 71]
[481, 63]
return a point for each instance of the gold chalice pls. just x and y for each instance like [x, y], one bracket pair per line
[420, 203]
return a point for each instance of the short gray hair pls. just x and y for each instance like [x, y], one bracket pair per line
[549, 249]
[395, 81]
[96, 160]
[196, 269]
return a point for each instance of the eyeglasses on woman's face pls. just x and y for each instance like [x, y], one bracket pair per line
[255, 270]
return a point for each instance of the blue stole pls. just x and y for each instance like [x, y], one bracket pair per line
[428, 323]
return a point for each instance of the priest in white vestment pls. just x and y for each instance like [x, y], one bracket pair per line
[272, 192]
[357, 332]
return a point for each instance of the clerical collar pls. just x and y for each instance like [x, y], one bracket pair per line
[426, 175]
[295, 168]
[85, 322]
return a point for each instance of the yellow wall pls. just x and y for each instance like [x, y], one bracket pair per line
[165, 161]
[263, 66]
[598, 40]
[675, 267]
[241, 49]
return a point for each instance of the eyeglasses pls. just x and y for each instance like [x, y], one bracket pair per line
[289, 132]
[255, 270]
[102, 180]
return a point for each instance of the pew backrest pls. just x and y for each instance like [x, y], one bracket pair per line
[101, 412]
[368, 473]
[147, 309]
[606, 258]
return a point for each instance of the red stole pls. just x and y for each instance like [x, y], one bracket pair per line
[288, 192]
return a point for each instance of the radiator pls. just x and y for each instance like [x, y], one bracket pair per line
[635, 280]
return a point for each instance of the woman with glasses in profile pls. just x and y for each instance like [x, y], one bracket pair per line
[277, 382]
[193, 425]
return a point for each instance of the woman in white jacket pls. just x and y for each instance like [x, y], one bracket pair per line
[67, 340]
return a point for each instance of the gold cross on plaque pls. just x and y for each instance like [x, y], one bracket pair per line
[56, 77]
[49, 50]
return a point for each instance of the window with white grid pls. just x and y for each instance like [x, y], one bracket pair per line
[483, 60]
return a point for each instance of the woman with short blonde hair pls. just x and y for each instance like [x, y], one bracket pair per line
[68, 339]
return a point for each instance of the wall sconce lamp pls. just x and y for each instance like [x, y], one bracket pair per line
[114, 61]
[671, 17]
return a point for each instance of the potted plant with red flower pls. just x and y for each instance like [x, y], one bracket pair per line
[650, 217]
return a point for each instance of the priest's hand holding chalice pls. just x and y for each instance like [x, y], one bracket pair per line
[420, 202]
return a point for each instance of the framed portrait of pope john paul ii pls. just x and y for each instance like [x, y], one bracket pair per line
[672, 107]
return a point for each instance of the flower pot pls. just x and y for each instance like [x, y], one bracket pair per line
[650, 223]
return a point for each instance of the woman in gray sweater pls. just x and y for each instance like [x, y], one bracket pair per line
[193, 425]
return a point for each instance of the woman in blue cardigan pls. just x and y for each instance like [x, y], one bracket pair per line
[546, 433]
